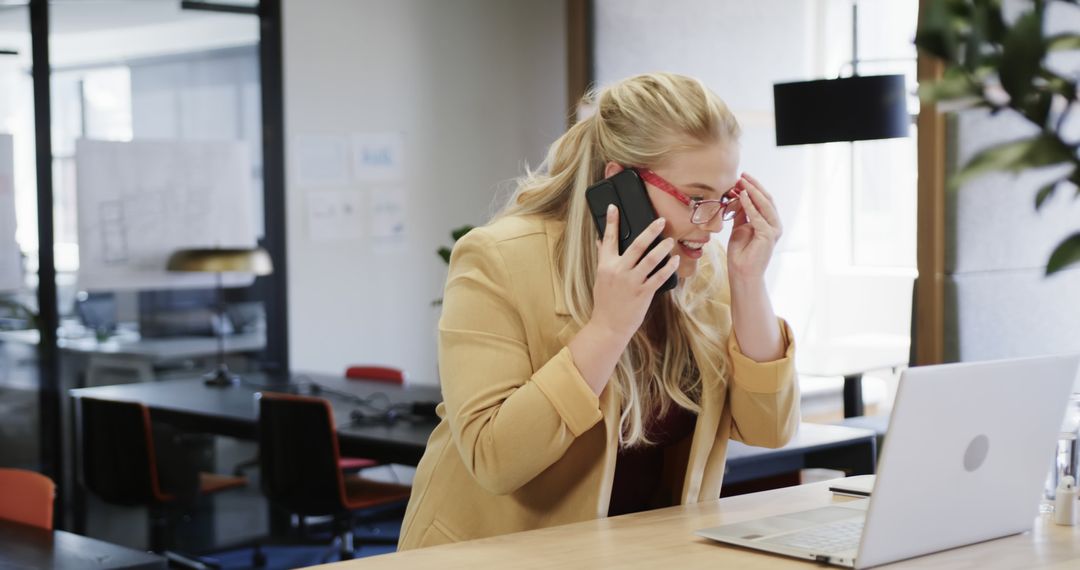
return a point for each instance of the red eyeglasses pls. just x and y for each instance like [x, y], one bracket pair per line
[701, 211]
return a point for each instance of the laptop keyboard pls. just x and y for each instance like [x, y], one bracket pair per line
[832, 537]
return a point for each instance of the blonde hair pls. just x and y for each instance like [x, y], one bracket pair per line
[640, 121]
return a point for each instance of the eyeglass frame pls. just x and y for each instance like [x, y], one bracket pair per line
[725, 200]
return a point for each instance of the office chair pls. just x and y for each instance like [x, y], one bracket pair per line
[122, 465]
[376, 373]
[27, 498]
[299, 462]
[384, 374]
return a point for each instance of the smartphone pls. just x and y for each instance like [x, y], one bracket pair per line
[627, 192]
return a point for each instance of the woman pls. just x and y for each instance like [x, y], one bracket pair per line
[571, 390]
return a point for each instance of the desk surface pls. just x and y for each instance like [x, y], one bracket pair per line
[189, 404]
[665, 538]
[28, 547]
[131, 344]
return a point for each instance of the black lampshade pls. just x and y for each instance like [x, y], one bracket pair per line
[849, 109]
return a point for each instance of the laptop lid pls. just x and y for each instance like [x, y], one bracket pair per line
[967, 450]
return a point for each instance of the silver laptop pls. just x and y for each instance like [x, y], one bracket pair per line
[983, 433]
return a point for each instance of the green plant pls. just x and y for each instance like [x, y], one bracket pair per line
[444, 252]
[997, 65]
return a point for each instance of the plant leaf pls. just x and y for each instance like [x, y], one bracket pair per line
[444, 253]
[1065, 254]
[1045, 193]
[1042, 150]
[1037, 108]
[938, 32]
[460, 232]
[954, 84]
[1022, 52]
[1063, 42]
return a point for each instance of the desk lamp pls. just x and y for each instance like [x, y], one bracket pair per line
[255, 261]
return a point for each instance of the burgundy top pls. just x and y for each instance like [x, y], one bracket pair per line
[638, 470]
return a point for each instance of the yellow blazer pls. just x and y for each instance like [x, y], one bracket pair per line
[523, 442]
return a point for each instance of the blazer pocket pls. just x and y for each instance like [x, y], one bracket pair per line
[437, 534]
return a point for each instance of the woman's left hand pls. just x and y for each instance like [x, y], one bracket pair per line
[755, 232]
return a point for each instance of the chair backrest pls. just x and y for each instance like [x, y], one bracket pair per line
[26, 498]
[299, 455]
[376, 373]
[118, 456]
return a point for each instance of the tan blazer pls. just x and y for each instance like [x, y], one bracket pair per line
[523, 442]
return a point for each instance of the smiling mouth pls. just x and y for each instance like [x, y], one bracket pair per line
[692, 245]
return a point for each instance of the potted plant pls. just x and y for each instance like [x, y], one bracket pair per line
[1002, 66]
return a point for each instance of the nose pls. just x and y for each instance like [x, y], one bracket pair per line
[716, 224]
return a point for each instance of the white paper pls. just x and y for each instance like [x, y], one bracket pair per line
[321, 160]
[335, 215]
[11, 278]
[378, 157]
[141, 201]
[388, 214]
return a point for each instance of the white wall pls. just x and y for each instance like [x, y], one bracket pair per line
[477, 87]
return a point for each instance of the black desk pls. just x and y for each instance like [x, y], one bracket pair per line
[190, 405]
[25, 547]
[854, 450]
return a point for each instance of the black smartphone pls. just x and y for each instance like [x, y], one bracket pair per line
[627, 192]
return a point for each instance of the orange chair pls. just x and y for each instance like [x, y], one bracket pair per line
[376, 373]
[383, 374]
[26, 498]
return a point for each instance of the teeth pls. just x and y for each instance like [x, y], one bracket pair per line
[692, 245]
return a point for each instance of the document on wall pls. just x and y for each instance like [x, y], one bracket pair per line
[378, 157]
[321, 161]
[11, 278]
[140, 201]
[335, 215]
[387, 215]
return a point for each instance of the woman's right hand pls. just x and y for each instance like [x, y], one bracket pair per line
[624, 289]
[622, 294]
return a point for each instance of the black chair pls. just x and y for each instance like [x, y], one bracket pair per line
[128, 461]
[299, 463]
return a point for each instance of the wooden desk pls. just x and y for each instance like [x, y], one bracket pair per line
[665, 539]
[28, 547]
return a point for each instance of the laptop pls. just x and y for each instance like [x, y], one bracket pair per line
[982, 432]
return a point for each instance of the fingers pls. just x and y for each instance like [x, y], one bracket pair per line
[633, 253]
[660, 277]
[759, 185]
[609, 244]
[754, 217]
[653, 258]
[762, 200]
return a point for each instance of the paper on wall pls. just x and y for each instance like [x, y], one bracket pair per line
[387, 215]
[335, 215]
[378, 157]
[320, 160]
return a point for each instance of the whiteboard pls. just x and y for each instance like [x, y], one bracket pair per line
[140, 201]
[11, 278]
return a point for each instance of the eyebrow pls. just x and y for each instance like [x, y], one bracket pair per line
[702, 186]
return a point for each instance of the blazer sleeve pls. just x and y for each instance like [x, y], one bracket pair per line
[764, 396]
[509, 422]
